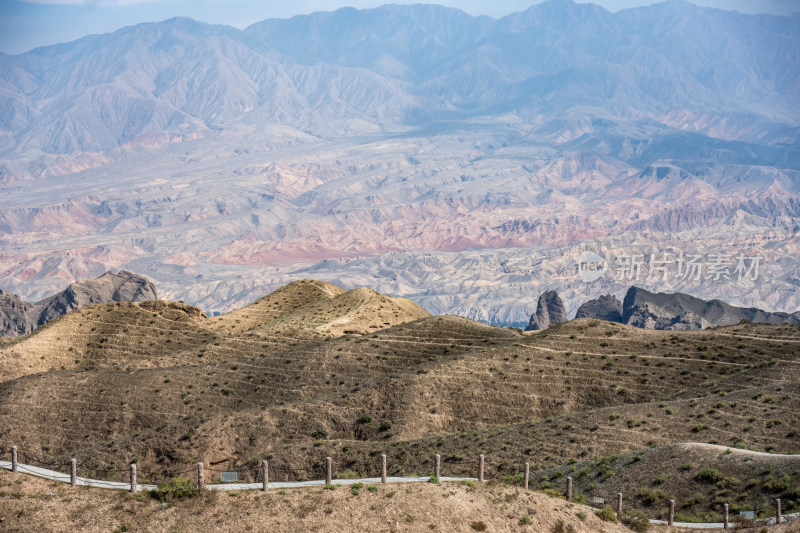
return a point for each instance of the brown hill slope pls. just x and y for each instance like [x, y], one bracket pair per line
[120, 335]
[701, 477]
[322, 307]
[18, 317]
[230, 393]
[27, 503]
[161, 334]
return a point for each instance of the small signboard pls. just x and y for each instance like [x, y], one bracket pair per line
[230, 477]
[597, 499]
[747, 515]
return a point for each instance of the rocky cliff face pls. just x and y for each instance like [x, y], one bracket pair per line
[18, 317]
[675, 311]
[549, 311]
[649, 310]
[607, 307]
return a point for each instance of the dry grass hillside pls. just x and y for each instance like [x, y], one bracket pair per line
[162, 334]
[312, 370]
[32, 505]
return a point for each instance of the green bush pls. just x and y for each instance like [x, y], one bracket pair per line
[554, 494]
[636, 520]
[433, 479]
[607, 514]
[708, 475]
[355, 488]
[650, 496]
[175, 489]
[525, 520]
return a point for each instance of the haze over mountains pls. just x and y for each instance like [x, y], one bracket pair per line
[465, 162]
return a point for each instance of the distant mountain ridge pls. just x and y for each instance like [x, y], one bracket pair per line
[393, 63]
[18, 317]
[464, 162]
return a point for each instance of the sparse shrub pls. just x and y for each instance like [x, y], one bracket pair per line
[321, 433]
[355, 488]
[650, 496]
[478, 525]
[552, 493]
[607, 514]
[708, 475]
[468, 483]
[636, 520]
[433, 479]
[372, 488]
[525, 520]
[581, 514]
[175, 489]
[386, 425]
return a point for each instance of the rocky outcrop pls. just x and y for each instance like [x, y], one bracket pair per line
[678, 311]
[607, 307]
[549, 311]
[18, 317]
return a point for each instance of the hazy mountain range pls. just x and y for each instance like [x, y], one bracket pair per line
[374, 147]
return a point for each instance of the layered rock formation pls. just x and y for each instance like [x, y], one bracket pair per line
[675, 311]
[549, 311]
[649, 310]
[18, 317]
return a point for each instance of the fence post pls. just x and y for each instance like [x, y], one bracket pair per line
[133, 477]
[14, 458]
[725, 520]
[73, 472]
[201, 481]
[264, 474]
[778, 510]
[328, 471]
[527, 474]
[569, 488]
[671, 520]
[437, 465]
[619, 503]
[383, 468]
[480, 468]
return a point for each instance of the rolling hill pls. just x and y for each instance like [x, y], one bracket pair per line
[165, 384]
